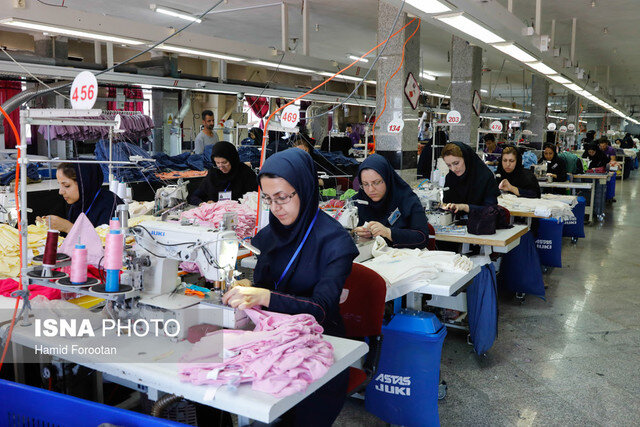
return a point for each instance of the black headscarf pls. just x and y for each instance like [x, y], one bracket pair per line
[520, 177]
[317, 274]
[599, 159]
[627, 141]
[556, 165]
[239, 180]
[97, 202]
[257, 135]
[475, 185]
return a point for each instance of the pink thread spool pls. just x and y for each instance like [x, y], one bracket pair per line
[79, 265]
[50, 249]
[113, 249]
[114, 223]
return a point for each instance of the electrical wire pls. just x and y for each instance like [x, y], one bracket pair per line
[373, 131]
[17, 200]
[4, 49]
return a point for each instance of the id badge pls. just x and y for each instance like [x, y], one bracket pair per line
[224, 195]
[394, 216]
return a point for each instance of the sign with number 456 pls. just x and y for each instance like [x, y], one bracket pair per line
[84, 91]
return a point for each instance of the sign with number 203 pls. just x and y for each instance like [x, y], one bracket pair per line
[84, 91]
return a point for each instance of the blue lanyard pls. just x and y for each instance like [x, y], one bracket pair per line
[228, 185]
[297, 250]
[94, 199]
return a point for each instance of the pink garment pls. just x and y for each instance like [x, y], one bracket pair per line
[83, 229]
[211, 214]
[9, 285]
[281, 356]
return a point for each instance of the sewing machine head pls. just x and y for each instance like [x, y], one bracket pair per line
[540, 170]
[168, 244]
[171, 195]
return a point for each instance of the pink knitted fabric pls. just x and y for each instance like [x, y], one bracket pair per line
[211, 214]
[281, 356]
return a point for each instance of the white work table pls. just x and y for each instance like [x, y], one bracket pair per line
[502, 241]
[157, 369]
[445, 284]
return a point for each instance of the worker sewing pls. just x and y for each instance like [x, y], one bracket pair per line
[492, 150]
[608, 150]
[322, 164]
[255, 137]
[514, 178]
[230, 179]
[304, 262]
[81, 187]
[393, 210]
[597, 159]
[469, 184]
[556, 168]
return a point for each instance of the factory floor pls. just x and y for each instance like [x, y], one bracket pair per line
[573, 359]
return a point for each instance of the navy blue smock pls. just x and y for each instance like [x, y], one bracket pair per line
[411, 229]
[96, 201]
[315, 280]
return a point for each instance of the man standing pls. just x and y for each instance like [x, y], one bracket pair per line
[206, 136]
[354, 136]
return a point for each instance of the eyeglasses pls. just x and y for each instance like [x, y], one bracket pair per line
[280, 200]
[373, 184]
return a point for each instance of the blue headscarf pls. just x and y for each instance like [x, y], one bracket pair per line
[97, 202]
[398, 196]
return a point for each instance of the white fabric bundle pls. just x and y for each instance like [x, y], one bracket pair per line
[572, 201]
[541, 207]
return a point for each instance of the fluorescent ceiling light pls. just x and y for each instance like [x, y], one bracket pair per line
[560, 79]
[427, 76]
[572, 86]
[177, 14]
[484, 91]
[340, 76]
[542, 68]
[467, 26]
[357, 58]
[515, 52]
[439, 95]
[29, 25]
[371, 82]
[429, 6]
[283, 66]
[197, 52]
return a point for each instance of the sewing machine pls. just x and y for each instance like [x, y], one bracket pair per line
[171, 195]
[431, 197]
[8, 212]
[540, 171]
[153, 268]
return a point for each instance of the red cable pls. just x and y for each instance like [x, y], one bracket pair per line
[15, 310]
[373, 132]
[266, 125]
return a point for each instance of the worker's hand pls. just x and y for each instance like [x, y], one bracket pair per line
[456, 207]
[552, 175]
[244, 297]
[242, 282]
[505, 185]
[378, 229]
[363, 232]
[320, 182]
[57, 223]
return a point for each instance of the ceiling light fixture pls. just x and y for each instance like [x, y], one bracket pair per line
[469, 27]
[357, 58]
[54, 29]
[283, 67]
[427, 76]
[197, 52]
[572, 86]
[560, 79]
[340, 76]
[542, 68]
[429, 6]
[484, 91]
[177, 14]
[515, 52]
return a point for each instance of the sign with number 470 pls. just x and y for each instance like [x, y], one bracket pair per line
[84, 91]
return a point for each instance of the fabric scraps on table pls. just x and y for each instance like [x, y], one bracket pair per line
[211, 214]
[10, 246]
[541, 207]
[9, 285]
[281, 356]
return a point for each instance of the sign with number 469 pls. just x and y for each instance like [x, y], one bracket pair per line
[290, 116]
[84, 91]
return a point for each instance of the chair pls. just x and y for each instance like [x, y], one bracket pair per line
[362, 312]
[431, 244]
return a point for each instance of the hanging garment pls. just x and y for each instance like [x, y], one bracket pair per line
[482, 306]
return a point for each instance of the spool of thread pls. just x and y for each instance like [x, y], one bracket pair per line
[114, 223]
[50, 249]
[79, 265]
[122, 190]
[129, 195]
[113, 260]
[113, 186]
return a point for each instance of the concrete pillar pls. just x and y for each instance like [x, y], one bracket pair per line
[401, 149]
[572, 117]
[539, 99]
[466, 78]
[164, 103]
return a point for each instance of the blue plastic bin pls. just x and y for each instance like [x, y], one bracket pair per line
[575, 227]
[611, 188]
[549, 242]
[22, 405]
[404, 389]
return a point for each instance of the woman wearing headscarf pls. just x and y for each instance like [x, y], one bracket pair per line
[392, 209]
[471, 185]
[597, 159]
[230, 179]
[321, 163]
[513, 177]
[627, 142]
[556, 167]
[254, 138]
[81, 187]
[305, 259]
